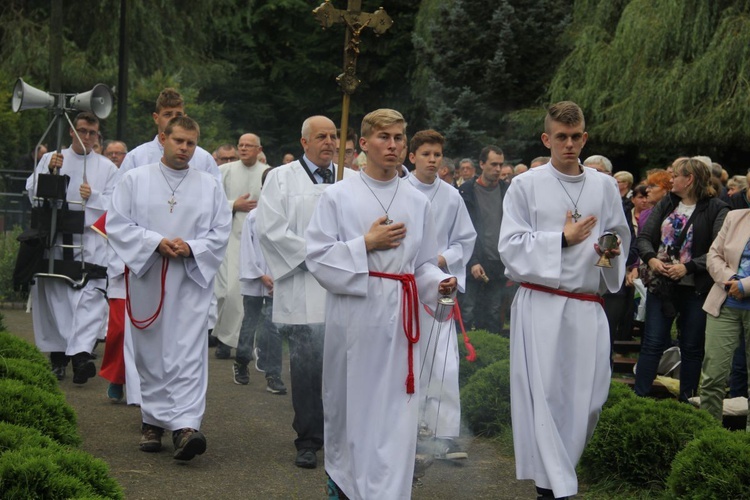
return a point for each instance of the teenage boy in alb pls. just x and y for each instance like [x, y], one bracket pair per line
[441, 411]
[371, 243]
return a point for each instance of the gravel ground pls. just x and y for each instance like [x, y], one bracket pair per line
[250, 446]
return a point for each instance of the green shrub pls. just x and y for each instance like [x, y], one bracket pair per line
[618, 392]
[485, 400]
[8, 254]
[637, 439]
[30, 406]
[13, 437]
[55, 473]
[716, 465]
[489, 347]
[29, 372]
[15, 347]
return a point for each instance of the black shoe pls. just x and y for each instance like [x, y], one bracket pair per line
[59, 371]
[306, 458]
[222, 351]
[83, 371]
[241, 375]
[188, 443]
[212, 341]
[274, 385]
[150, 438]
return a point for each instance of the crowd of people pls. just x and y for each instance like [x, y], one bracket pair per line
[364, 279]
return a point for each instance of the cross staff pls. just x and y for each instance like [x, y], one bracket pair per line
[355, 21]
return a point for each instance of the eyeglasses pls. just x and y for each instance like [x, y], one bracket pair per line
[348, 152]
[86, 132]
[115, 153]
[227, 159]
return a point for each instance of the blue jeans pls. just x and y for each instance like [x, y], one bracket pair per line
[691, 323]
[257, 321]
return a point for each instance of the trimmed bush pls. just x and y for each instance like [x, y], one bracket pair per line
[15, 347]
[13, 437]
[29, 372]
[55, 473]
[33, 407]
[485, 400]
[618, 392]
[637, 439]
[716, 465]
[489, 347]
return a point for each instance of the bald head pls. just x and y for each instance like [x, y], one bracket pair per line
[249, 148]
[319, 140]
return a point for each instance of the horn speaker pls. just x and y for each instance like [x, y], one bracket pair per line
[98, 100]
[27, 97]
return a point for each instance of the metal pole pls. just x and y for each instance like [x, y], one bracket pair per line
[122, 78]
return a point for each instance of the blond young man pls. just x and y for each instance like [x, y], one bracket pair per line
[371, 243]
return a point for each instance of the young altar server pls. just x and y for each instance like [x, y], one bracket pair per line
[170, 223]
[441, 411]
[553, 216]
[371, 243]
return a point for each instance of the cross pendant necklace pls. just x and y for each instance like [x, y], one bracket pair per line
[576, 214]
[388, 221]
[171, 201]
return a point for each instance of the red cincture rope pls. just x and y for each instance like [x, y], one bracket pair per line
[588, 297]
[142, 324]
[471, 355]
[409, 315]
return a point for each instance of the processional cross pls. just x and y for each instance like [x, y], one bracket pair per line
[355, 21]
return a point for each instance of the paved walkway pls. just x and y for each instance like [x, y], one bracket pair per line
[250, 446]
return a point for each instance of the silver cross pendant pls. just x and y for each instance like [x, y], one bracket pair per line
[576, 215]
[172, 202]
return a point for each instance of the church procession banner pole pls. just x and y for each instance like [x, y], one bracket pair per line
[355, 21]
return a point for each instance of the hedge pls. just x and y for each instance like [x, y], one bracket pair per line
[485, 400]
[33, 407]
[618, 392]
[29, 372]
[55, 473]
[15, 347]
[637, 439]
[716, 465]
[489, 347]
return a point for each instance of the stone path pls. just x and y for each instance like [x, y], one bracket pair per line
[250, 446]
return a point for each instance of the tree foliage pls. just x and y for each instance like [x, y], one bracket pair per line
[481, 59]
[258, 66]
[660, 72]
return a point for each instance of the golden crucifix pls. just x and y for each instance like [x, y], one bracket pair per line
[355, 21]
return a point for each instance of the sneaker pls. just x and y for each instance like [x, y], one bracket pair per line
[188, 443]
[274, 385]
[241, 376]
[258, 364]
[83, 372]
[150, 438]
[306, 458]
[222, 351]
[450, 450]
[115, 392]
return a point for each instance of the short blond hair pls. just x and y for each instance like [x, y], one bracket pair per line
[624, 176]
[379, 120]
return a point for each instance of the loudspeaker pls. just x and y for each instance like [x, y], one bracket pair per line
[98, 100]
[27, 97]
